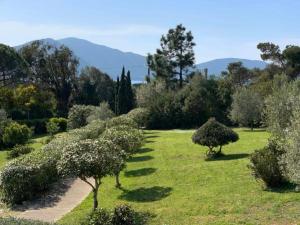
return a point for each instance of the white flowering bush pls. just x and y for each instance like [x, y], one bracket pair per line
[90, 159]
[122, 120]
[139, 115]
[128, 139]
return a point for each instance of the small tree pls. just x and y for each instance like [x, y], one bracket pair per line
[246, 108]
[128, 139]
[90, 159]
[213, 134]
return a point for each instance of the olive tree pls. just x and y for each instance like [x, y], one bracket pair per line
[128, 139]
[246, 108]
[90, 160]
[213, 134]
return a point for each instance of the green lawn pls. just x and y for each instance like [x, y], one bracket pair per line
[170, 179]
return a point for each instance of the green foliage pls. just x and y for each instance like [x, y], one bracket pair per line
[94, 87]
[120, 121]
[25, 177]
[90, 159]
[61, 123]
[18, 221]
[15, 133]
[139, 115]
[213, 134]
[78, 115]
[123, 215]
[98, 217]
[247, 108]
[52, 128]
[103, 112]
[19, 150]
[175, 57]
[37, 125]
[265, 165]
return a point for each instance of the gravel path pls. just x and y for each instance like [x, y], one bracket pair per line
[53, 206]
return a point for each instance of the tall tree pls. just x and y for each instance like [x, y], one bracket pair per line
[117, 86]
[12, 66]
[176, 55]
[94, 87]
[238, 74]
[54, 68]
[130, 94]
[122, 94]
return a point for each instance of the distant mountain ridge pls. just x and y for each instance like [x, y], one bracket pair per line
[111, 61]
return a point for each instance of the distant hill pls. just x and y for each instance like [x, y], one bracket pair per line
[112, 60]
[216, 66]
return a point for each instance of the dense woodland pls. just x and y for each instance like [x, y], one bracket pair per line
[42, 91]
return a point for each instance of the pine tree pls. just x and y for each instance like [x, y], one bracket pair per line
[130, 96]
[117, 96]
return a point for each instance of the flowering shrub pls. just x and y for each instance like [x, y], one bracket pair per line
[139, 115]
[121, 120]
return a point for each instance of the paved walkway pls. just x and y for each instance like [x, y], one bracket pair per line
[53, 206]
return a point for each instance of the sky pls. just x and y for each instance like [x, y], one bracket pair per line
[221, 28]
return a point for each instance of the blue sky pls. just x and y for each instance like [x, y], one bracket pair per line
[222, 28]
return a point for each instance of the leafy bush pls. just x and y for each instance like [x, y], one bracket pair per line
[4, 122]
[24, 177]
[265, 165]
[38, 125]
[78, 115]
[98, 217]
[15, 133]
[139, 115]
[213, 134]
[52, 128]
[19, 150]
[61, 122]
[120, 121]
[123, 215]
[18, 221]
[103, 112]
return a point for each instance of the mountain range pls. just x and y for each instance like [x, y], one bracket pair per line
[111, 61]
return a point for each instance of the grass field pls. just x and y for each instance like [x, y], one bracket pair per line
[170, 179]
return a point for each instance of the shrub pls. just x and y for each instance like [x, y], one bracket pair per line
[78, 115]
[213, 134]
[19, 150]
[103, 112]
[38, 125]
[52, 128]
[18, 221]
[120, 121]
[139, 115]
[265, 165]
[61, 122]
[123, 215]
[15, 133]
[4, 122]
[98, 217]
[25, 177]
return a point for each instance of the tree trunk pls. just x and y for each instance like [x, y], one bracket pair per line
[220, 150]
[95, 195]
[118, 184]
[180, 77]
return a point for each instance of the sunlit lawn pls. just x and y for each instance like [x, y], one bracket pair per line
[170, 179]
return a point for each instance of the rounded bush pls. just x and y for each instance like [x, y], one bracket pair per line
[213, 134]
[123, 215]
[139, 115]
[98, 217]
[123, 120]
[16, 133]
[61, 122]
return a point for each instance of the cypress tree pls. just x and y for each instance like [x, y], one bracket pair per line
[130, 96]
[117, 96]
[122, 94]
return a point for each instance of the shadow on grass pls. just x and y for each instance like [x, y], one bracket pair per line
[140, 158]
[229, 157]
[285, 188]
[140, 172]
[146, 194]
[144, 150]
